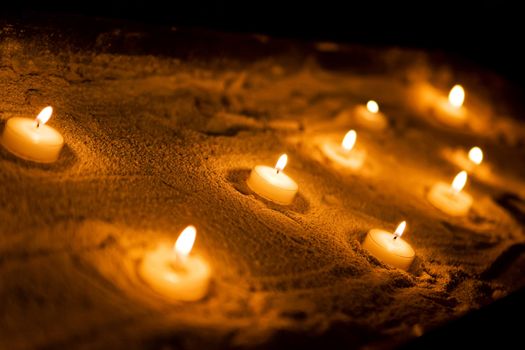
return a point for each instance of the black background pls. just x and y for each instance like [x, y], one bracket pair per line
[487, 33]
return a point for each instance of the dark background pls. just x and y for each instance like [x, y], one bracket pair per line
[487, 33]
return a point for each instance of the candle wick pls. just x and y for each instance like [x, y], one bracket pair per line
[395, 236]
[277, 170]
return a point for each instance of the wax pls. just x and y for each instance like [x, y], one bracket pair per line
[389, 247]
[272, 183]
[31, 139]
[175, 274]
[369, 116]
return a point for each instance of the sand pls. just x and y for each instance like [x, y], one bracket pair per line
[162, 127]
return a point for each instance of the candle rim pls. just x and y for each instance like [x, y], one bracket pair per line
[281, 174]
[398, 239]
[41, 127]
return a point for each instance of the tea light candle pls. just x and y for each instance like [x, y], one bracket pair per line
[471, 161]
[174, 273]
[451, 111]
[31, 139]
[344, 154]
[449, 198]
[370, 117]
[389, 247]
[272, 184]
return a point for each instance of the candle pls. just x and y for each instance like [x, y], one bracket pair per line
[174, 273]
[370, 117]
[475, 155]
[449, 198]
[451, 111]
[344, 154]
[272, 183]
[471, 161]
[389, 247]
[32, 139]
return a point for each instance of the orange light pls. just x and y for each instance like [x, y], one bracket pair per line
[456, 97]
[459, 181]
[281, 163]
[44, 115]
[475, 155]
[349, 140]
[400, 229]
[184, 243]
[372, 106]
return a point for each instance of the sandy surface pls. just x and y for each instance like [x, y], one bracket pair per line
[161, 132]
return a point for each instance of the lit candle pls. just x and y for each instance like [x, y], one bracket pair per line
[344, 153]
[32, 139]
[470, 161]
[174, 273]
[449, 198]
[370, 116]
[475, 155]
[272, 183]
[389, 247]
[451, 111]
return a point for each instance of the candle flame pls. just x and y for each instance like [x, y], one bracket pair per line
[459, 181]
[281, 163]
[184, 243]
[475, 155]
[349, 140]
[400, 229]
[44, 115]
[372, 106]
[456, 97]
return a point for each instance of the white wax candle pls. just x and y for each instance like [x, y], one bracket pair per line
[345, 154]
[472, 162]
[272, 184]
[370, 116]
[449, 198]
[174, 273]
[32, 139]
[451, 111]
[389, 247]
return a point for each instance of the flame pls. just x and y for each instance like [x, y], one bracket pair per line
[400, 229]
[44, 115]
[349, 140]
[184, 243]
[459, 181]
[372, 106]
[456, 97]
[281, 163]
[475, 155]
